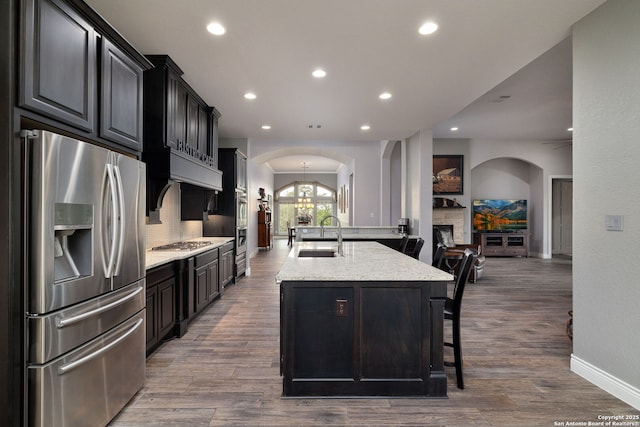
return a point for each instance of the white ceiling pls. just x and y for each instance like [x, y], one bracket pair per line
[367, 47]
[294, 164]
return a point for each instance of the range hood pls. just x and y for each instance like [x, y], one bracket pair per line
[180, 135]
[169, 167]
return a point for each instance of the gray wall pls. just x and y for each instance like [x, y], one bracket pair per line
[606, 111]
[258, 176]
[505, 169]
[395, 185]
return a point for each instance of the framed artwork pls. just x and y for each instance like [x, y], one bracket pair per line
[346, 199]
[447, 174]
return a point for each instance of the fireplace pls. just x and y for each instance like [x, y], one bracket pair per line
[438, 227]
[453, 217]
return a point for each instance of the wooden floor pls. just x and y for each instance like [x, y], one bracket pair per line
[225, 370]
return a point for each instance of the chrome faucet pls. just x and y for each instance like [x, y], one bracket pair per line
[339, 231]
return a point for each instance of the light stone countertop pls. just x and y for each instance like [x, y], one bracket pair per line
[158, 258]
[362, 261]
[333, 235]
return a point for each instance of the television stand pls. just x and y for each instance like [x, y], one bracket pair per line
[503, 244]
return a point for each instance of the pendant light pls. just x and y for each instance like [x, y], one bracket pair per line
[304, 202]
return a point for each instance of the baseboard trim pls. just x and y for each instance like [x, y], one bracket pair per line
[612, 385]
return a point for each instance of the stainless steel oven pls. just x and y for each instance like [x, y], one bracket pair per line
[242, 209]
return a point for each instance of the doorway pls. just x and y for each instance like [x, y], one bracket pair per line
[562, 217]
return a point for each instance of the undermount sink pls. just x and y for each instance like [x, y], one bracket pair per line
[316, 253]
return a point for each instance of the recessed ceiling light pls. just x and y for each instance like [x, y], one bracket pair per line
[266, 127]
[453, 129]
[385, 95]
[428, 28]
[365, 127]
[250, 95]
[570, 129]
[319, 73]
[216, 29]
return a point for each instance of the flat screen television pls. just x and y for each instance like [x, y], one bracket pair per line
[499, 215]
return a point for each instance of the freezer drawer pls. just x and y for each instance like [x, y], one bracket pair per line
[90, 385]
[56, 333]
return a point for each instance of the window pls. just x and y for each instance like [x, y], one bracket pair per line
[303, 203]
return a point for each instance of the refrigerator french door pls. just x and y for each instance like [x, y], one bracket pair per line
[86, 291]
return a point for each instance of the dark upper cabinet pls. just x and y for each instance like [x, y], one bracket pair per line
[177, 111]
[213, 116]
[241, 176]
[121, 97]
[176, 117]
[233, 164]
[80, 73]
[203, 130]
[58, 63]
[192, 122]
[181, 141]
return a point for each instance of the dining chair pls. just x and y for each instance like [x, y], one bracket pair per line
[291, 231]
[452, 312]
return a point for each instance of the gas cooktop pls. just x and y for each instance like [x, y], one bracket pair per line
[182, 246]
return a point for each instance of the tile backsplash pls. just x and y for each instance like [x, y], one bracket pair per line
[172, 229]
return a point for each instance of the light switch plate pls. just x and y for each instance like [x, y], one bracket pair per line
[614, 222]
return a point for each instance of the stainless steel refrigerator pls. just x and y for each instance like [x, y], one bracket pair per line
[86, 286]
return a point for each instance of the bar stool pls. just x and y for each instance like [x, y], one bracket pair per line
[403, 244]
[438, 254]
[452, 312]
[417, 248]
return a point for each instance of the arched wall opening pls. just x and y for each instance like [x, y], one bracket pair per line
[512, 178]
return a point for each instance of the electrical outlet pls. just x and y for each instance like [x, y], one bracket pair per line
[614, 222]
[341, 308]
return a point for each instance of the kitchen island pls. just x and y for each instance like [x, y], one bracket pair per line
[368, 323]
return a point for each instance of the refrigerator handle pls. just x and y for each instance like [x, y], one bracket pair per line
[121, 220]
[114, 230]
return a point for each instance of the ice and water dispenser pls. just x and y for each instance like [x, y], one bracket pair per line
[73, 234]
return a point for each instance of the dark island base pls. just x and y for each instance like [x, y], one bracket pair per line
[354, 339]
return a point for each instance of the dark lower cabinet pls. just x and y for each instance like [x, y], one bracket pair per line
[226, 265]
[362, 338]
[161, 305]
[201, 282]
[323, 342]
[178, 291]
[205, 285]
[151, 316]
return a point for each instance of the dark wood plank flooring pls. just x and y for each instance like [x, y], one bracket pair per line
[225, 370]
